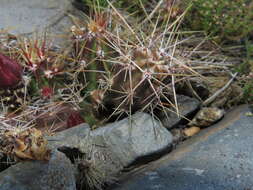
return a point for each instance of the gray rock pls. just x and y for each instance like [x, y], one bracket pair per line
[26, 16]
[55, 174]
[118, 144]
[74, 137]
[207, 116]
[218, 158]
[186, 106]
[178, 135]
[3, 162]
[1, 155]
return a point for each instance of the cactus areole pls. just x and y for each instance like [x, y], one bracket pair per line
[10, 72]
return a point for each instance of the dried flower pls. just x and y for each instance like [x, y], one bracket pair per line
[99, 24]
[28, 144]
[10, 72]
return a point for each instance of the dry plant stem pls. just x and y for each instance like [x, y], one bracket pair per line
[153, 12]
[173, 84]
[218, 92]
[125, 22]
[193, 91]
[145, 12]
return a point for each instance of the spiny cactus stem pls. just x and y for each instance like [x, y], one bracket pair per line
[92, 76]
[106, 66]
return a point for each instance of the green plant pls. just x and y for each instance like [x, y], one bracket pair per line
[246, 70]
[248, 88]
[248, 91]
[229, 20]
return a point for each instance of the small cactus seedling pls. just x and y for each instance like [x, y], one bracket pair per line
[39, 58]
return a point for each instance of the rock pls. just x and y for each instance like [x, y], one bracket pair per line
[178, 136]
[25, 17]
[186, 106]
[118, 144]
[206, 117]
[1, 155]
[3, 162]
[191, 131]
[55, 174]
[229, 97]
[75, 137]
[219, 158]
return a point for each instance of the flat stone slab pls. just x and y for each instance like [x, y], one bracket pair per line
[27, 16]
[116, 145]
[30, 17]
[218, 158]
[55, 174]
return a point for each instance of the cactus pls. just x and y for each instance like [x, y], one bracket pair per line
[128, 68]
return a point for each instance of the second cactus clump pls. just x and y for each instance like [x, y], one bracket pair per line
[126, 69]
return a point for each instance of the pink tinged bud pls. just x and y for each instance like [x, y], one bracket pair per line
[10, 72]
[74, 119]
[47, 92]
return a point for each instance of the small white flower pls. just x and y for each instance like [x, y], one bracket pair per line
[27, 79]
[56, 70]
[73, 28]
[33, 67]
[101, 53]
[79, 37]
[83, 63]
[91, 35]
[163, 52]
[147, 75]
[48, 74]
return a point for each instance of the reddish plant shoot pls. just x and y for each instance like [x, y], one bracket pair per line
[10, 72]
[74, 119]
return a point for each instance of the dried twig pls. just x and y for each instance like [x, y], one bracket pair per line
[218, 92]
